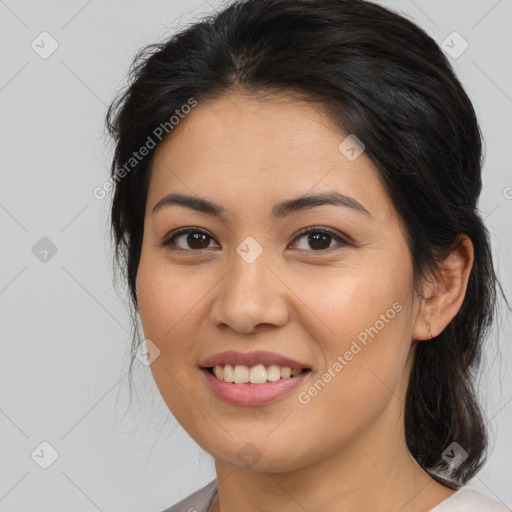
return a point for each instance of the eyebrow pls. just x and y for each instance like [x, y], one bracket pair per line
[279, 210]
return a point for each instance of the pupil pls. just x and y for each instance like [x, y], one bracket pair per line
[195, 238]
[318, 237]
[317, 240]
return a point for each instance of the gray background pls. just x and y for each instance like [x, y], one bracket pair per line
[65, 331]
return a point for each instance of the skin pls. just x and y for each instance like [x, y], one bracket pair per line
[248, 153]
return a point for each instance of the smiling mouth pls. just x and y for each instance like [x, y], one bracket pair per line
[258, 374]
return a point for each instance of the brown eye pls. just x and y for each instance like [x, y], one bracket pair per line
[194, 240]
[319, 239]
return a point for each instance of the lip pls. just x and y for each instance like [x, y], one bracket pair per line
[234, 357]
[252, 394]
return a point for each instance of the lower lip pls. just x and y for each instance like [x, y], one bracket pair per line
[252, 394]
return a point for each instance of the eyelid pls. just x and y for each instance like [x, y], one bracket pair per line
[167, 242]
[342, 239]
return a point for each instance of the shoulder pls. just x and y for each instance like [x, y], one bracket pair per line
[197, 501]
[469, 500]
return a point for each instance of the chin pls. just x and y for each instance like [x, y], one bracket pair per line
[259, 455]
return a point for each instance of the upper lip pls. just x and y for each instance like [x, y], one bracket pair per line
[234, 357]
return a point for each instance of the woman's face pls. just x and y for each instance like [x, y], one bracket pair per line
[338, 301]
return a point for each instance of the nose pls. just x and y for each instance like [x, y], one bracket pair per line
[250, 297]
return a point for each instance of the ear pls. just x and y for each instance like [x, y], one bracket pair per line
[443, 296]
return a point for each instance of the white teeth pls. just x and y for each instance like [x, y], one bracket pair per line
[241, 374]
[228, 373]
[218, 372]
[273, 372]
[257, 374]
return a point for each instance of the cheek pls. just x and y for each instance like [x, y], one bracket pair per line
[169, 309]
[360, 381]
[351, 300]
[365, 353]
[164, 297]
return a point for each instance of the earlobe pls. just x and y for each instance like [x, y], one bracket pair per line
[423, 329]
[446, 292]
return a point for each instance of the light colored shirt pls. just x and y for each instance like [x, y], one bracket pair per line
[463, 500]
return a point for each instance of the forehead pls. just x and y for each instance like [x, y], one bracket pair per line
[261, 149]
[235, 123]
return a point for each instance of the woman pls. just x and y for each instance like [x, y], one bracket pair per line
[295, 200]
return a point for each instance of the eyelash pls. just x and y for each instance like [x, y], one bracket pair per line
[169, 242]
